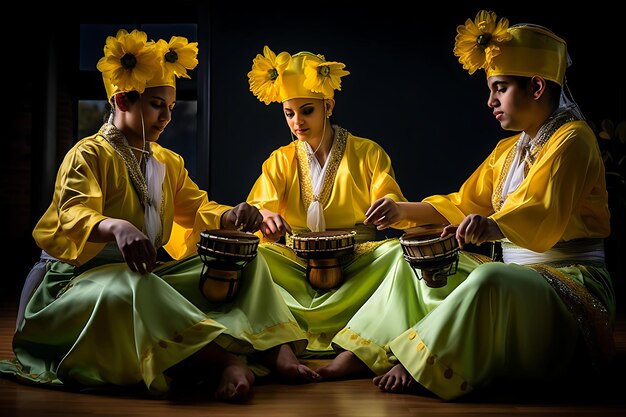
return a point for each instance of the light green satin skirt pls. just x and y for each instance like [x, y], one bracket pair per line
[491, 320]
[322, 313]
[111, 327]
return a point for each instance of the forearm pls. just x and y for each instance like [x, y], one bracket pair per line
[421, 213]
[104, 231]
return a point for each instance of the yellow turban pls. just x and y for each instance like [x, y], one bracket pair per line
[521, 50]
[278, 78]
[132, 63]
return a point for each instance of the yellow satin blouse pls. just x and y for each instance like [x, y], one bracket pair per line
[364, 175]
[563, 196]
[93, 184]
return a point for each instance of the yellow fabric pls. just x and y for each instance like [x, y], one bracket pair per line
[554, 199]
[531, 51]
[293, 78]
[84, 196]
[365, 174]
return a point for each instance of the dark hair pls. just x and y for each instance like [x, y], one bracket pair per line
[131, 96]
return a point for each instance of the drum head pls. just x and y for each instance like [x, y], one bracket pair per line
[230, 234]
[227, 245]
[327, 233]
[327, 244]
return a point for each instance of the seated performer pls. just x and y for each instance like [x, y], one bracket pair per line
[550, 306]
[324, 180]
[100, 310]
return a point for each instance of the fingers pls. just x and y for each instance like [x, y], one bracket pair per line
[140, 257]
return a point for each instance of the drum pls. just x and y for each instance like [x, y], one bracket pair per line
[324, 252]
[224, 254]
[437, 258]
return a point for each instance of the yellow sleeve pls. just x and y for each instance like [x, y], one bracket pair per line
[76, 208]
[383, 182]
[268, 191]
[193, 211]
[564, 189]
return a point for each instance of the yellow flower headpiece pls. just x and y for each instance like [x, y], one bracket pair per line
[278, 78]
[524, 50]
[132, 63]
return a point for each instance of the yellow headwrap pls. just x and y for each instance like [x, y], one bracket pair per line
[132, 63]
[278, 78]
[522, 50]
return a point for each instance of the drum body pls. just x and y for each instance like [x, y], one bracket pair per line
[437, 258]
[324, 252]
[224, 254]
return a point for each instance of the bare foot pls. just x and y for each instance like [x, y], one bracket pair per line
[235, 382]
[235, 378]
[345, 364]
[287, 365]
[397, 380]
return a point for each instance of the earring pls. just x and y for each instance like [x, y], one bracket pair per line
[328, 114]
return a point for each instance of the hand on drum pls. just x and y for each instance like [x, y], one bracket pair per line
[474, 229]
[273, 226]
[382, 213]
[242, 217]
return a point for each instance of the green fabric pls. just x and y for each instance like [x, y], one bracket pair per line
[109, 326]
[491, 320]
[322, 313]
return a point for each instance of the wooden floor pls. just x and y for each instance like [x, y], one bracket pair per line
[341, 398]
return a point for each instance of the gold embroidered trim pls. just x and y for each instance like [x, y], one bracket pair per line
[496, 196]
[118, 141]
[590, 314]
[532, 149]
[304, 169]
[477, 257]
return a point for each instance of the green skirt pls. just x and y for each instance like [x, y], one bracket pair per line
[110, 327]
[491, 320]
[323, 313]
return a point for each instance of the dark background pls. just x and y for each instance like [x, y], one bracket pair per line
[406, 91]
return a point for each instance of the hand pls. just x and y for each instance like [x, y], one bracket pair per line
[382, 213]
[137, 249]
[243, 216]
[476, 229]
[273, 226]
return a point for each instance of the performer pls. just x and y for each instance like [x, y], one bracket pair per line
[324, 180]
[101, 309]
[541, 193]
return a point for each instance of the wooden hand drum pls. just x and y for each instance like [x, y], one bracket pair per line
[224, 254]
[437, 258]
[323, 251]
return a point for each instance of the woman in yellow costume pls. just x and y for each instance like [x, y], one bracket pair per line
[549, 307]
[106, 312]
[325, 179]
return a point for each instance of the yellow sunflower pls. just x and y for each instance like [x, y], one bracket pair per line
[477, 42]
[179, 55]
[323, 77]
[265, 76]
[129, 60]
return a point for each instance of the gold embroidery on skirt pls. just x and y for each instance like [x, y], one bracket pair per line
[590, 314]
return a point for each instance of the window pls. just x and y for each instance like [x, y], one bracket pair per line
[181, 135]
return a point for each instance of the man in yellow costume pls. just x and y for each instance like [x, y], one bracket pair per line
[547, 310]
[324, 180]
